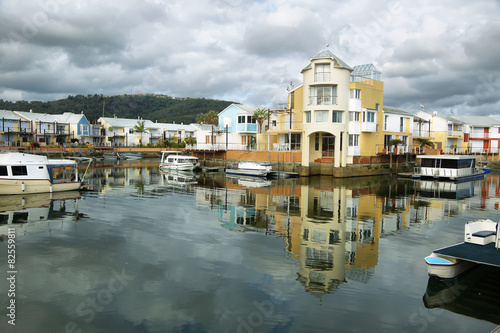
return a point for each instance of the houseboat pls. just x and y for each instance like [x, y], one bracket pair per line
[27, 173]
[448, 167]
[172, 161]
[250, 169]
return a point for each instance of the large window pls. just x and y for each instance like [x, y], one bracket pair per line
[355, 93]
[353, 140]
[337, 116]
[308, 116]
[322, 72]
[354, 116]
[323, 95]
[321, 116]
[241, 119]
[370, 117]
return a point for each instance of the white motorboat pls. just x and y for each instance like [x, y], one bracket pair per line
[477, 248]
[250, 169]
[27, 173]
[130, 156]
[170, 161]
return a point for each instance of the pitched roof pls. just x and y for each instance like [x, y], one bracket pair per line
[390, 109]
[69, 117]
[9, 115]
[40, 117]
[125, 122]
[478, 121]
[327, 54]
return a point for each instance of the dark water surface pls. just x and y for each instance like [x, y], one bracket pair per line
[149, 252]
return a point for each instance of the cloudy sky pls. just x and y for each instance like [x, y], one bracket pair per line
[444, 54]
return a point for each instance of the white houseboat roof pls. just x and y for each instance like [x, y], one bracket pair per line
[450, 157]
[8, 158]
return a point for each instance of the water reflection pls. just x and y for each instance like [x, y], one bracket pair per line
[205, 249]
[475, 294]
[34, 213]
[332, 227]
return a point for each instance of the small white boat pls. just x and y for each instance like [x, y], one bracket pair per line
[446, 267]
[449, 262]
[130, 156]
[27, 173]
[170, 161]
[250, 169]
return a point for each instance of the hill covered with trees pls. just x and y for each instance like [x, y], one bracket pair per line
[161, 108]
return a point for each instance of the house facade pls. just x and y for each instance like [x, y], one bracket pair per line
[447, 132]
[14, 130]
[47, 130]
[120, 131]
[242, 128]
[79, 126]
[481, 134]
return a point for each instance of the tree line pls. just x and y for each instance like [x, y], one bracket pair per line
[161, 108]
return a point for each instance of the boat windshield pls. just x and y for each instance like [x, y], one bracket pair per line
[62, 173]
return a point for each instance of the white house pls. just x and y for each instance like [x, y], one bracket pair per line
[120, 131]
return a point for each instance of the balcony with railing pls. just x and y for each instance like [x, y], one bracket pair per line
[322, 100]
[423, 133]
[382, 149]
[455, 133]
[246, 128]
[294, 147]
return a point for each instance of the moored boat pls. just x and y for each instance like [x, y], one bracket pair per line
[250, 169]
[130, 156]
[173, 161]
[28, 173]
[480, 246]
[448, 167]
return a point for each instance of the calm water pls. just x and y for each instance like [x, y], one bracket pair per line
[148, 252]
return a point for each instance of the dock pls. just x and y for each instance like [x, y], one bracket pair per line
[481, 254]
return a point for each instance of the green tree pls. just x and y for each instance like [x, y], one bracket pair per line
[140, 128]
[260, 115]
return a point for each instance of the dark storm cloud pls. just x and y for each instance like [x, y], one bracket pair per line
[442, 53]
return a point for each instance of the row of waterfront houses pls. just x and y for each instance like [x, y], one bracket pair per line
[336, 115]
[18, 128]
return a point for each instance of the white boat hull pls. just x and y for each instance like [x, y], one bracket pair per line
[28, 186]
[446, 267]
[181, 167]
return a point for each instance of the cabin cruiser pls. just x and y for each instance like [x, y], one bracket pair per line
[28, 173]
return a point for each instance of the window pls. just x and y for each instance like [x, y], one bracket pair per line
[251, 120]
[356, 93]
[19, 170]
[337, 116]
[353, 116]
[316, 142]
[84, 128]
[241, 119]
[308, 116]
[323, 95]
[321, 116]
[3, 170]
[322, 72]
[386, 121]
[353, 140]
[401, 124]
[370, 117]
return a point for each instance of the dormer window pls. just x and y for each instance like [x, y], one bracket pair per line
[322, 72]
